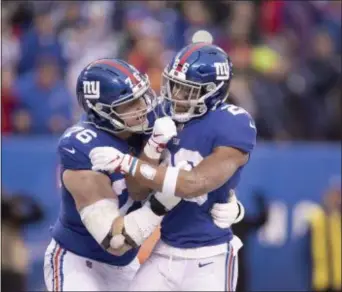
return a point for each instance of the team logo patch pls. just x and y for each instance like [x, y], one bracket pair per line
[91, 89]
[222, 71]
[89, 264]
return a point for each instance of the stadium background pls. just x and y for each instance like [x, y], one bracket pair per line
[287, 72]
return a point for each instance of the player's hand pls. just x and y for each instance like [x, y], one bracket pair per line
[163, 130]
[227, 214]
[118, 246]
[106, 159]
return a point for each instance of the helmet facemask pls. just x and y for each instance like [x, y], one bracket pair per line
[187, 98]
[119, 114]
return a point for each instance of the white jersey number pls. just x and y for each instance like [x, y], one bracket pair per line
[235, 110]
[83, 135]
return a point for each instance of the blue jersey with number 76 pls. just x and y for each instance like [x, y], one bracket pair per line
[69, 231]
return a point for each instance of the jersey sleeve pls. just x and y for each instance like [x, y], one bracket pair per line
[235, 128]
[73, 154]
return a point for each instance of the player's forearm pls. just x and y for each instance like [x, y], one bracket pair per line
[151, 176]
[134, 228]
[151, 154]
[208, 175]
[184, 184]
[169, 179]
[137, 190]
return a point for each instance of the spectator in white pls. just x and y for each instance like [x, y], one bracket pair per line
[10, 50]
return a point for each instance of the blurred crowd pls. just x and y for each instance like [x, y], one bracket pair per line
[286, 56]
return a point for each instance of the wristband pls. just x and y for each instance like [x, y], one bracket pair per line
[170, 181]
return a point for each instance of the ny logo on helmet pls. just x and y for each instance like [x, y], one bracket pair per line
[222, 71]
[91, 89]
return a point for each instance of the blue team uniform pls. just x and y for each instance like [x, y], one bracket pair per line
[189, 224]
[74, 261]
[69, 231]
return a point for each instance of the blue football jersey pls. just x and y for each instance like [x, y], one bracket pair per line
[69, 231]
[190, 224]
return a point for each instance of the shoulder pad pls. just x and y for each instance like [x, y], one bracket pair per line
[77, 142]
[233, 127]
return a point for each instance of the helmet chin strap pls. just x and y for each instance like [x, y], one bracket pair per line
[117, 124]
[138, 128]
[185, 117]
[182, 117]
[134, 129]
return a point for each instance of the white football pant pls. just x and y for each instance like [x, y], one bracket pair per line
[201, 269]
[66, 271]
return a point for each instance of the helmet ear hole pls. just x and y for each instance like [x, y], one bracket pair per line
[210, 87]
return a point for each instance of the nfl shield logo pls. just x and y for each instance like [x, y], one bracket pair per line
[89, 264]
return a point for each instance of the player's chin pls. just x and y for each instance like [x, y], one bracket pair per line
[181, 109]
[141, 125]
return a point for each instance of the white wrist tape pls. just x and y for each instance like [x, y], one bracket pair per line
[148, 171]
[170, 181]
[98, 217]
[141, 223]
[152, 150]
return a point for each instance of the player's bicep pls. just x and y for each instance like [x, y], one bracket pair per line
[211, 173]
[87, 187]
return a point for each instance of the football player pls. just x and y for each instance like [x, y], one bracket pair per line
[118, 102]
[119, 107]
[201, 165]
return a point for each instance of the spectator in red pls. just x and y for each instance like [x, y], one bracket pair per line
[271, 17]
[8, 99]
[147, 53]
